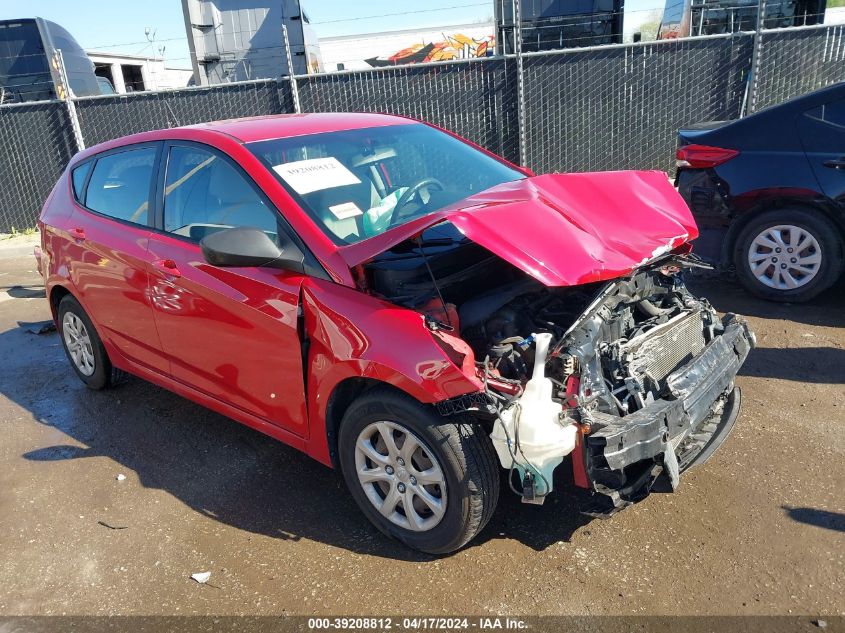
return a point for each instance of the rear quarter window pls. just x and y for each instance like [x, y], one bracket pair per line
[78, 177]
[119, 186]
[832, 113]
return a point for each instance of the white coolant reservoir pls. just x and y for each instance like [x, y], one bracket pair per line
[530, 432]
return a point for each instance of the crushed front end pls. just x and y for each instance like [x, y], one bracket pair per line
[655, 371]
[633, 378]
[635, 383]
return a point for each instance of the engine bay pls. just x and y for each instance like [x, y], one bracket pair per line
[576, 368]
[630, 337]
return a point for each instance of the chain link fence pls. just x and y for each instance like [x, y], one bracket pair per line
[610, 107]
[796, 61]
[105, 118]
[473, 98]
[620, 107]
[36, 142]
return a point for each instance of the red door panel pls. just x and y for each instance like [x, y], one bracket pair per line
[230, 332]
[109, 268]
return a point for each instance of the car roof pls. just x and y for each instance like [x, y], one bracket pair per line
[769, 129]
[248, 130]
[263, 128]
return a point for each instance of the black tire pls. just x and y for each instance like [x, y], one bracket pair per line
[104, 375]
[826, 234]
[463, 450]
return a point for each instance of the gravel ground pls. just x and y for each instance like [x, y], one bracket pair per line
[759, 529]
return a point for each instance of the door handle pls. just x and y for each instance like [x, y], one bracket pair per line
[836, 163]
[78, 233]
[168, 267]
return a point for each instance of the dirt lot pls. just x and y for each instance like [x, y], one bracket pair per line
[758, 529]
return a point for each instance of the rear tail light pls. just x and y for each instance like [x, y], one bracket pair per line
[703, 156]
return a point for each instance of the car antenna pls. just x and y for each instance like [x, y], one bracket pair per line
[419, 242]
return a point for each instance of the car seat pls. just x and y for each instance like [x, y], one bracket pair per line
[363, 195]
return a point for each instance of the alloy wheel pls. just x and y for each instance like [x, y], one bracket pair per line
[784, 257]
[400, 476]
[78, 343]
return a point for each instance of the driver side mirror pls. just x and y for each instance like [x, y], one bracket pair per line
[246, 246]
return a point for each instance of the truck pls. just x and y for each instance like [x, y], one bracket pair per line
[32, 51]
[555, 24]
[684, 18]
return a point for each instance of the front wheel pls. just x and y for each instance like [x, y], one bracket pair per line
[788, 255]
[427, 481]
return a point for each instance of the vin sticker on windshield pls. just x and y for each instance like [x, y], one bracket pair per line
[345, 210]
[315, 174]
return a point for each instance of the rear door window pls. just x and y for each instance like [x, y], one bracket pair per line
[834, 113]
[119, 186]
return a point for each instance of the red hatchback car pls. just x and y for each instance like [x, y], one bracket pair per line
[401, 304]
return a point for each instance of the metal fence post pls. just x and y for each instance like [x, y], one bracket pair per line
[71, 106]
[520, 87]
[294, 89]
[750, 103]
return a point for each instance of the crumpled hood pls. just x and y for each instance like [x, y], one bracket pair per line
[562, 229]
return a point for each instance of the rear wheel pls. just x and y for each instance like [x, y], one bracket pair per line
[788, 255]
[429, 482]
[83, 346]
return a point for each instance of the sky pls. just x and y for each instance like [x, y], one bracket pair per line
[118, 25]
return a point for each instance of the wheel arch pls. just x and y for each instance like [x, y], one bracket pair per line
[744, 218]
[344, 394]
[57, 293]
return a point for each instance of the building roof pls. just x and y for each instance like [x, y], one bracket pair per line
[123, 56]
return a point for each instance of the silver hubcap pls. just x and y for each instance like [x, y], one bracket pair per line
[785, 257]
[400, 476]
[78, 343]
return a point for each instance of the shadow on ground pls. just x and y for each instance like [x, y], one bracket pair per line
[244, 479]
[798, 362]
[24, 292]
[823, 365]
[227, 471]
[726, 295]
[820, 518]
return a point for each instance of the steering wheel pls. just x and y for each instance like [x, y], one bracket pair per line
[413, 190]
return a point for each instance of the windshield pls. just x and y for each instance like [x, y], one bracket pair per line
[358, 183]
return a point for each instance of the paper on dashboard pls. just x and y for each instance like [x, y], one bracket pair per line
[315, 174]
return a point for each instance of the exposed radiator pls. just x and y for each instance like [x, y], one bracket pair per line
[662, 349]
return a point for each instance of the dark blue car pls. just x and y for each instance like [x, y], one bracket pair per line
[768, 193]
